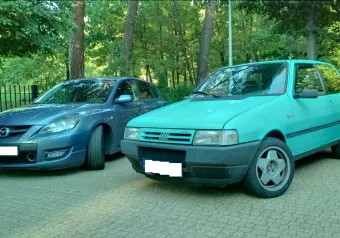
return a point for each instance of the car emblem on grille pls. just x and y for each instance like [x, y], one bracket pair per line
[163, 136]
[4, 132]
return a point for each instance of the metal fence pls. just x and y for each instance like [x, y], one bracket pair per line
[12, 96]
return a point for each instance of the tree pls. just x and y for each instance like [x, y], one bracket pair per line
[183, 43]
[32, 26]
[103, 40]
[202, 68]
[298, 17]
[127, 50]
[76, 52]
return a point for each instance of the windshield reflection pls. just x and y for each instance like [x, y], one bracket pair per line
[253, 80]
[82, 91]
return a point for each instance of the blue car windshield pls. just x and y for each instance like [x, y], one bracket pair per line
[250, 80]
[82, 91]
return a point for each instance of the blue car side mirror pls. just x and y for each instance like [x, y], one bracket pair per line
[124, 99]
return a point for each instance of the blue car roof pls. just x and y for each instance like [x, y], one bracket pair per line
[116, 79]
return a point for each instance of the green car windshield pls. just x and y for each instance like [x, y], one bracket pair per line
[82, 91]
[250, 80]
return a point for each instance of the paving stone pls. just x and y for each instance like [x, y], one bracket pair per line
[117, 202]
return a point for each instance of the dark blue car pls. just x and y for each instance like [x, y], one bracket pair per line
[75, 123]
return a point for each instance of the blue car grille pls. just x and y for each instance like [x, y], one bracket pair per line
[15, 130]
[167, 136]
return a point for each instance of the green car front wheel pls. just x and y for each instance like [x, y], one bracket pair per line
[272, 169]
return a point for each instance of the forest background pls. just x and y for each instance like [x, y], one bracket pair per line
[174, 44]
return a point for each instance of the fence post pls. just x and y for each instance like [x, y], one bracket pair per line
[34, 90]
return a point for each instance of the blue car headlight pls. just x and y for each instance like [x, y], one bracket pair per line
[59, 126]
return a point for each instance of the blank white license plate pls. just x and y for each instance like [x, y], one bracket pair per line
[9, 151]
[163, 168]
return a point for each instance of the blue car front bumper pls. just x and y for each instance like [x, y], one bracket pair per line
[53, 151]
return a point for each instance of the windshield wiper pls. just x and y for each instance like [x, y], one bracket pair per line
[207, 94]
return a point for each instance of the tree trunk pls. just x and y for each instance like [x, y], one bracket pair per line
[177, 69]
[76, 54]
[245, 40]
[163, 75]
[67, 66]
[174, 57]
[311, 25]
[182, 39]
[193, 72]
[143, 36]
[148, 73]
[222, 55]
[173, 78]
[222, 50]
[203, 55]
[127, 49]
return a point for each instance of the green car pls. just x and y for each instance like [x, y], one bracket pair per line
[245, 123]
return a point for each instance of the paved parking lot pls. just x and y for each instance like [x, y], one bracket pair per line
[117, 202]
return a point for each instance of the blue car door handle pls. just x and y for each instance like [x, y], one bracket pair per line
[160, 104]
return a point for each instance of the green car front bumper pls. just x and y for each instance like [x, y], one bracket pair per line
[201, 165]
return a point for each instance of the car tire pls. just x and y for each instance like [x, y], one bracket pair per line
[272, 169]
[95, 151]
[336, 151]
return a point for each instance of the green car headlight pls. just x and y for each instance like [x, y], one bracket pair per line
[216, 137]
[131, 133]
[59, 126]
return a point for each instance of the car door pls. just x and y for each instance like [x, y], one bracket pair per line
[311, 115]
[124, 112]
[161, 102]
[149, 100]
[331, 78]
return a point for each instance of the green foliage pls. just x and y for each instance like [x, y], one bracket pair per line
[292, 14]
[104, 32]
[32, 26]
[175, 95]
[46, 71]
[166, 38]
[292, 17]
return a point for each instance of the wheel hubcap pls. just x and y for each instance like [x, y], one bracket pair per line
[273, 168]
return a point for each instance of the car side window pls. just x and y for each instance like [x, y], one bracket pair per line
[331, 78]
[306, 78]
[154, 90]
[145, 91]
[126, 88]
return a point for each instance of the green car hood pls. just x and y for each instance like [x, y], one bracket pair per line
[198, 114]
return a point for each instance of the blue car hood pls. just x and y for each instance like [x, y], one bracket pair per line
[42, 114]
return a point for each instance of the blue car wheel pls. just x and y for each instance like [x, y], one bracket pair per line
[95, 151]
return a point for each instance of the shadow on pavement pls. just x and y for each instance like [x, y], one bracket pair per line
[49, 173]
[41, 173]
[234, 189]
[156, 187]
[312, 159]
[113, 157]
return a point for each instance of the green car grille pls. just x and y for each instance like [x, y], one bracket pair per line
[167, 136]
